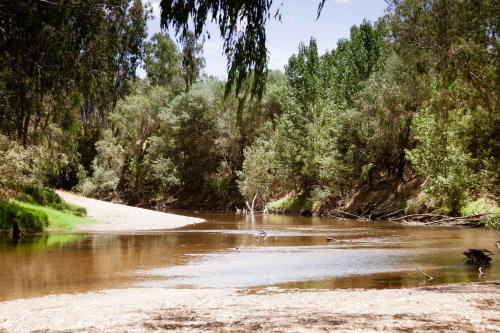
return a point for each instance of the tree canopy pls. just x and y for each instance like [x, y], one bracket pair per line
[242, 26]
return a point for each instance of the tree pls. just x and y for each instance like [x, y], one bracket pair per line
[455, 44]
[162, 61]
[57, 58]
[241, 25]
[192, 60]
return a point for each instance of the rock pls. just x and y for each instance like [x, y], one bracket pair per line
[477, 257]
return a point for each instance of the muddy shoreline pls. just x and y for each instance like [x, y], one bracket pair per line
[456, 307]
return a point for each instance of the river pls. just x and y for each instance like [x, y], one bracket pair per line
[232, 251]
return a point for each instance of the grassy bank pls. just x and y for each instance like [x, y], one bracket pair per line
[297, 204]
[57, 219]
[40, 209]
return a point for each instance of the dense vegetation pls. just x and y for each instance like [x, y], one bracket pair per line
[401, 117]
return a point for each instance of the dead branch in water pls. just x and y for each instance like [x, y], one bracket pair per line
[460, 219]
[440, 219]
[425, 274]
[352, 215]
[419, 217]
[251, 208]
[390, 214]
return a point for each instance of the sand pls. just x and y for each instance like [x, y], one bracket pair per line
[450, 308]
[117, 218]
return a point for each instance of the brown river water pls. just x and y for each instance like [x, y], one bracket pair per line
[227, 251]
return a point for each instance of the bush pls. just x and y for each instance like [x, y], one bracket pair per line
[43, 196]
[441, 153]
[484, 206]
[18, 167]
[28, 220]
[107, 167]
[58, 219]
[294, 204]
[47, 197]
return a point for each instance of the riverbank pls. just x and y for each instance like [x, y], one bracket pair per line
[116, 218]
[458, 307]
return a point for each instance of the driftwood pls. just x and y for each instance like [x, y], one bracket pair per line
[467, 219]
[418, 217]
[251, 208]
[425, 274]
[351, 215]
[390, 214]
[441, 219]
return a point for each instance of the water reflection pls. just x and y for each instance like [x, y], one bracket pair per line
[227, 252]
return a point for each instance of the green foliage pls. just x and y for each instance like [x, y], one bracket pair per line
[353, 62]
[257, 175]
[480, 206]
[54, 219]
[442, 155]
[294, 204]
[44, 196]
[18, 167]
[94, 49]
[411, 97]
[484, 206]
[192, 60]
[419, 204]
[107, 167]
[162, 61]
[26, 218]
[244, 43]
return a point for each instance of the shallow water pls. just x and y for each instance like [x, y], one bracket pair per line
[227, 251]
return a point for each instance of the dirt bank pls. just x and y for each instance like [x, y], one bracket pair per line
[121, 218]
[460, 307]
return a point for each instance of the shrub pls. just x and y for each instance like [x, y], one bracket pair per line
[107, 167]
[28, 220]
[18, 168]
[45, 196]
[484, 206]
[441, 153]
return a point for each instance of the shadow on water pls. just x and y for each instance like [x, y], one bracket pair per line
[237, 251]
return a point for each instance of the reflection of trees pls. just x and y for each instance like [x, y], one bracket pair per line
[69, 263]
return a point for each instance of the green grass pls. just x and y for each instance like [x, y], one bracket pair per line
[47, 197]
[58, 220]
[21, 219]
[297, 204]
[484, 206]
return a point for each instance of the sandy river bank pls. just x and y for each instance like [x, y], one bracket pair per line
[117, 218]
[460, 307]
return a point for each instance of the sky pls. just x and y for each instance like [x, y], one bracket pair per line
[298, 24]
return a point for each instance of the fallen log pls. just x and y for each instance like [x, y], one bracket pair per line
[390, 214]
[352, 215]
[418, 217]
[460, 219]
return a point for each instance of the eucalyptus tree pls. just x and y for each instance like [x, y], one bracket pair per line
[242, 25]
[193, 61]
[162, 61]
[455, 44]
[57, 57]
